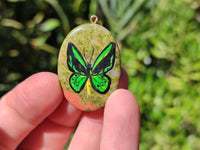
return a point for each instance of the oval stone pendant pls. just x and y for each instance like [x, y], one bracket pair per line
[89, 66]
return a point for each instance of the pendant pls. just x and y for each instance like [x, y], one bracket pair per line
[89, 66]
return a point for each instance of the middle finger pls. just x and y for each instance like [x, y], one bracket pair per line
[88, 133]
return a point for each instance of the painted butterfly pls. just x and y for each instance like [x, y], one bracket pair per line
[92, 74]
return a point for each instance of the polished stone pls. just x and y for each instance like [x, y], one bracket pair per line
[90, 40]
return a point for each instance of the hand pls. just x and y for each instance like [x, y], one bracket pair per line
[35, 115]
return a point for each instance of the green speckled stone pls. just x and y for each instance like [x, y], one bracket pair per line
[88, 38]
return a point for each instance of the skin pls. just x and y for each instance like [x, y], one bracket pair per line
[35, 115]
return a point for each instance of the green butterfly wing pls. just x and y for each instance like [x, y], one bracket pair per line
[77, 82]
[100, 83]
[77, 65]
[106, 60]
[75, 60]
[104, 63]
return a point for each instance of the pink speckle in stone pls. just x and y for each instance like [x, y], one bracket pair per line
[95, 40]
[75, 100]
[62, 58]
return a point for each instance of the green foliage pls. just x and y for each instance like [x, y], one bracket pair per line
[31, 33]
[161, 53]
[164, 75]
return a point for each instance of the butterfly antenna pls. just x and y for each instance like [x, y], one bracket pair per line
[84, 54]
[92, 55]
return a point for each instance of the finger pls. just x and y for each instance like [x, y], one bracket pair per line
[88, 133]
[61, 123]
[121, 122]
[57, 128]
[23, 108]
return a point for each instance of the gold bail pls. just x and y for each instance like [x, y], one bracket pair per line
[95, 20]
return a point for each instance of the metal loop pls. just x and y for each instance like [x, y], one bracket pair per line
[95, 20]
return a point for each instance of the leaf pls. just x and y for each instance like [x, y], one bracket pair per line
[11, 23]
[50, 24]
[65, 21]
[175, 84]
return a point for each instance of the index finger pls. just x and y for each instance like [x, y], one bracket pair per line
[28, 104]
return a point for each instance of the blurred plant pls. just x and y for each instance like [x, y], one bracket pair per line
[162, 57]
[123, 16]
[26, 28]
[61, 13]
